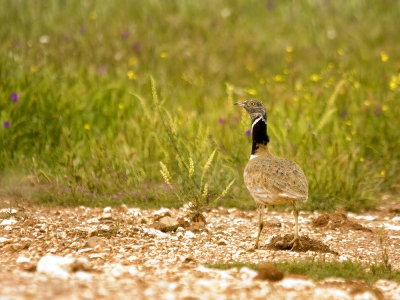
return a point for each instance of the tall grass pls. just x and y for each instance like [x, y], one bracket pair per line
[77, 108]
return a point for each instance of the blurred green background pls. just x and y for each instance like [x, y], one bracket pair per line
[80, 123]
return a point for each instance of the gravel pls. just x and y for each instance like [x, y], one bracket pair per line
[116, 253]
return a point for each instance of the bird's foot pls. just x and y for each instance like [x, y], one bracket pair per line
[295, 243]
[253, 248]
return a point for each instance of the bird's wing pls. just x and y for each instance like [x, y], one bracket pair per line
[290, 180]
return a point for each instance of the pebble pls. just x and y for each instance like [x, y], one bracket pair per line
[7, 222]
[222, 242]
[189, 235]
[61, 267]
[166, 224]
[95, 241]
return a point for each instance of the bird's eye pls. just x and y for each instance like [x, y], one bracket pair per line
[252, 103]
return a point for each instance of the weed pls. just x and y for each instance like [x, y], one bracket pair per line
[190, 184]
[385, 259]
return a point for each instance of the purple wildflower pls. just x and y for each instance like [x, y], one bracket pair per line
[82, 30]
[102, 69]
[344, 114]
[125, 35]
[270, 4]
[136, 46]
[248, 132]
[7, 124]
[221, 121]
[14, 97]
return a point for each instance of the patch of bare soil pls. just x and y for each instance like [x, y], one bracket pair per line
[306, 244]
[129, 253]
[338, 220]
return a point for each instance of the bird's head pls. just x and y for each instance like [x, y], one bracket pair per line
[255, 108]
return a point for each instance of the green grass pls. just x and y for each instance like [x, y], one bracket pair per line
[318, 270]
[86, 126]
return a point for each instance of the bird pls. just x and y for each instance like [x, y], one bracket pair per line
[271, 179]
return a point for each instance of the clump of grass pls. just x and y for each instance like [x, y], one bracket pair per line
[191, 184]
[385, 258]
[319, 270]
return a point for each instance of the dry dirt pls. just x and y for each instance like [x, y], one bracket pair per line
[117, 254]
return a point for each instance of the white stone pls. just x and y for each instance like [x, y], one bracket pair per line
[132, 258]
[107, 210]
[322, 293]
[118, 271]
[93, 220]
[105, 227]
[162, 212]
[83, 277]
[59, 266]
[367, 218]
[135, 212]
[22, 259]
[155, 233]
[11, 211]
[189, 235]
[7, 222]
[247, 273]
[296, 284]
[5, 241]
[391, 227]
[133, 271]
[180, 229]
[396, 219]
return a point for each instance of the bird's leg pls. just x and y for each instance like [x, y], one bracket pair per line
[260, 224]
[296, 241]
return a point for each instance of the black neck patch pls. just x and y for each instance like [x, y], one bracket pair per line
[259, 133]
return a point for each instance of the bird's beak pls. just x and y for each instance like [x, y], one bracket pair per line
[239, 104]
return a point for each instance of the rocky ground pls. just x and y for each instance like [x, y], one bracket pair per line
[88, 253]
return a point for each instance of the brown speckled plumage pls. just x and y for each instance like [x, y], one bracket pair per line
[270, 179]
[274, 180]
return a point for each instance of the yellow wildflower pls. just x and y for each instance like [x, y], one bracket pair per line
[315, 77]
[93, 15]
[132, 61]
[289, 49]
[131, 75]
[250, 91]
[384, 56]
[278, 78]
